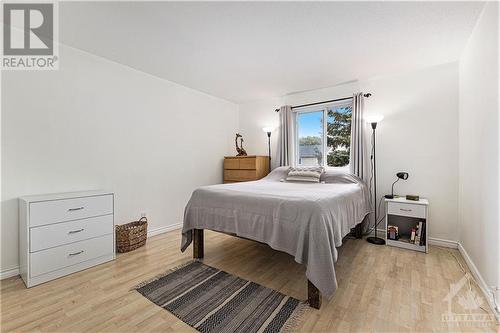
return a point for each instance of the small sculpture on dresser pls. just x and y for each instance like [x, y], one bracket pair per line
[240, 150]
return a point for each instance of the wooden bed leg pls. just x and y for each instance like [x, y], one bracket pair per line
[313, 295]
[198, 244]
[358, 230]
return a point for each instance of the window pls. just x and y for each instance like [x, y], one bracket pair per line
[314, 141]
[310, 138]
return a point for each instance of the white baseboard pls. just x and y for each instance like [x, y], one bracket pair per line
[9, 273]
[443, 242]
[480, 281]
[161, 230]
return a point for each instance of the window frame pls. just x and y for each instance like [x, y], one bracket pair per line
[317, 108]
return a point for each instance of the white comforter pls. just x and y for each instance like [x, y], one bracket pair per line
[308, 221]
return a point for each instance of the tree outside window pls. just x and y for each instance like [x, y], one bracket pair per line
[338, 135]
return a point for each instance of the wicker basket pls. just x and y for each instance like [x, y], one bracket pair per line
[132, 235]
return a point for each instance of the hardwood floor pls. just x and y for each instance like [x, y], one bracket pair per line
[380, 289]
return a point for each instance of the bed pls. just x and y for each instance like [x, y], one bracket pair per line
[305, 220]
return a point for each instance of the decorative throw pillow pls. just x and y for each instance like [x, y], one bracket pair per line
[305, 174]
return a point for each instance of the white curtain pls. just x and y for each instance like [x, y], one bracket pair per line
[360, 151]
[286, 137]
[359, 159]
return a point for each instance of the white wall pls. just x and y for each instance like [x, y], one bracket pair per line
[479, 147]
[417, 135]
[252, 118]
[97, 124]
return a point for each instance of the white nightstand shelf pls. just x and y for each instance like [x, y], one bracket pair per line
[407, 214]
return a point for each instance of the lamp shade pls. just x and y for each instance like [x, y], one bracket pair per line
[268, 129]
[374, 118]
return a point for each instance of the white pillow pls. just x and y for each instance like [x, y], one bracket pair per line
[339, 176]
[278, 173]
[305, 174]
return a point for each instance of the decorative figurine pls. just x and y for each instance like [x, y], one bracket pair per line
[241, 151]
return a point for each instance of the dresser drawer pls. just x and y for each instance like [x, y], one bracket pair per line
[406, 210]
[240, 175]
[71, 254]
[48, 212]
[248, 163]
[242, 163]
[52, 235]
[231, 163]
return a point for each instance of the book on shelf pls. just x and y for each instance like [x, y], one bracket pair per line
[422, 236]
[413, 235]
[418, 234]
[392, 232]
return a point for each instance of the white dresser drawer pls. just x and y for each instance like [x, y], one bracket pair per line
[63, 256]
[48, 212]
[53, 235]
[404, 209]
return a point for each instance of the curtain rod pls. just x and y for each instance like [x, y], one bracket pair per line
[330, 101]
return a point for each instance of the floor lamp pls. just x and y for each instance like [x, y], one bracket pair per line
[373, 120]
[269, 130]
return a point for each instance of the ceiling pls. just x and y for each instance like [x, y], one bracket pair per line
[244, 51]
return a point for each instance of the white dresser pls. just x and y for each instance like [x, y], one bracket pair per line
[63, 233]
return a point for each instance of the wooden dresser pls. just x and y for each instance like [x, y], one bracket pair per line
[245, 168]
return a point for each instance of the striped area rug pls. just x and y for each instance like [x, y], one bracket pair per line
[211, 300]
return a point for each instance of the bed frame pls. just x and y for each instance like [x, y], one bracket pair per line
[313, 294]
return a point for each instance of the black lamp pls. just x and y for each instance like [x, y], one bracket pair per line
[400, 175]
[373, 120]
[269, 130]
